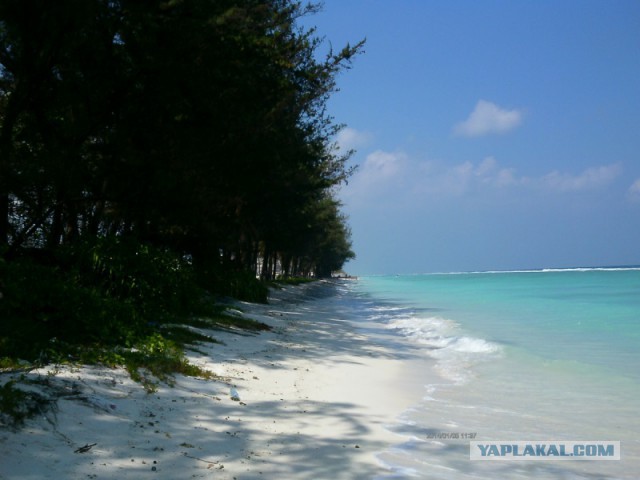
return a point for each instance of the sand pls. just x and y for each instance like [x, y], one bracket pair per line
[316, 397]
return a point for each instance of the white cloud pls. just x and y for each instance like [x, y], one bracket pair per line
[379, 172]
[444, 180]
[462, 178]
[489, 173]
[488, 118]
[395, 177]
[487, 165]
[381, 165]
[350, 138]
[633, 193]
[590, 179]
[505, 177]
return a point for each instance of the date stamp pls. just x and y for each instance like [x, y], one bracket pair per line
[451, 435]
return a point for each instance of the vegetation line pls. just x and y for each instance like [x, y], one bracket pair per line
[153, 157]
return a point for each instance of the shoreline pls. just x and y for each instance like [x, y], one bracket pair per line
[316, 397]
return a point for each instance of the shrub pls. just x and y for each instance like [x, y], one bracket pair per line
[16, 405]
[44, 308]
[155, 280]
[238, 284]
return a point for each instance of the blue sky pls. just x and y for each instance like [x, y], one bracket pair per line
[489, 134]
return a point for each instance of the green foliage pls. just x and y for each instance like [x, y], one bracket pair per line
[107, 303]
[44, 308]
[109, 293]
[154, 280]
[8, 363]
[197, 126]
[17, 405]
[245, 286]
[157, 358]
[150, 150]
[239, 284]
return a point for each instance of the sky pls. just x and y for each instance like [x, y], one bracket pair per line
[489, 135]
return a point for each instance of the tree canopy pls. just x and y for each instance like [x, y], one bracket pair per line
[197, 126]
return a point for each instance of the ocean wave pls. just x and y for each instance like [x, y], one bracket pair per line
[455, 353]
[544, 270]
[591, 269]
[473, 345]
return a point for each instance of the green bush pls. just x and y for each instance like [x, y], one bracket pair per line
[112, 301]
[44, 308]
[244, 285]
[156, 281]
[230, 282]
[16, 405]
[111, 292]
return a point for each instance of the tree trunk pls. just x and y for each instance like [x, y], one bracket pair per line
[56, 227]
[4, 221]
[264, 271]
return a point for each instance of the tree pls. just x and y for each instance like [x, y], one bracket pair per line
[195, 125]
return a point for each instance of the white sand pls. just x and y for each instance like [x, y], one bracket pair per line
[315, 396]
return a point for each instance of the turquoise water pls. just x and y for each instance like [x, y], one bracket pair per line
[536, 355]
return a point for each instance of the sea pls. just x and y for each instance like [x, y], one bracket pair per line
[534, 356]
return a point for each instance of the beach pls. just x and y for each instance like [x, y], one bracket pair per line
[383, 377]
[312, 398]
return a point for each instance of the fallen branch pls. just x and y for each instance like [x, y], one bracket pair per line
[86, 448]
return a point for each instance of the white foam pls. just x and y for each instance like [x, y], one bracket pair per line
[456, 353]
[473, 345]
[542, 270]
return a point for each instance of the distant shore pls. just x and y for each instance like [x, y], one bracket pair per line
[310, 399]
